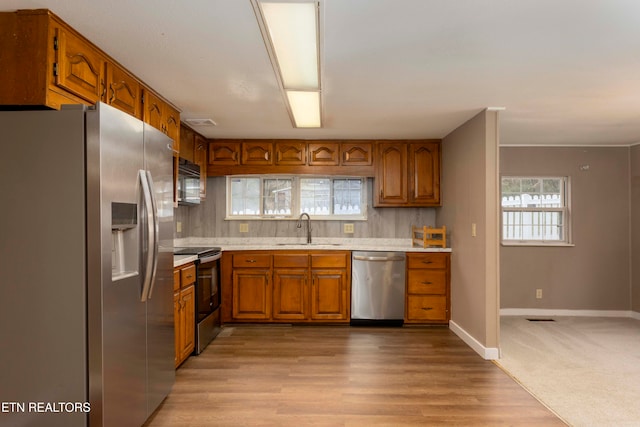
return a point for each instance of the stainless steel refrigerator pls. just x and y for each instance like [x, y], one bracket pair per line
[86, 268]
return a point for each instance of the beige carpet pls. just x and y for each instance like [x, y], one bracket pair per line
[585, 369]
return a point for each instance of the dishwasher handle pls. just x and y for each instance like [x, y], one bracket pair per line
[378, 258]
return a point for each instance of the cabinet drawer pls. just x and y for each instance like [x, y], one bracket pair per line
[427, 260]
[426, 307]
[338, 260]
[187, 276]
[176, 280]
[427, 281]
[291, 260]
[252, 260]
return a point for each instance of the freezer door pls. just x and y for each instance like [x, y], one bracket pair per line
[160, 325]
[117, 317]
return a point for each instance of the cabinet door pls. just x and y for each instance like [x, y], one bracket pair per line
[200, 158]
[123, 91]
[324, 154]
[291, 153]
[153, 110]
[328, 295]
[79, 67]
[290, 294]
[257, 153]
[390, 187]
[224, 153]
[357, 154]
[188, 319]
[187, 143]
[424, 173]
[251, 294]
[171, 123]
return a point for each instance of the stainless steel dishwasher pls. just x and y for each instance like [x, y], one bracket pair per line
[377, 288]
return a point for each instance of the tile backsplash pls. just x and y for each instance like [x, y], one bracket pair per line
[208, 220]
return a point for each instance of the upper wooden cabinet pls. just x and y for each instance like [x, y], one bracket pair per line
[161, 115]
[324, 153]
[46, 63]
[194, 147]
[123, 91]
[290, 152]
[78, 67]
[257, 153]
[407, 174]
[236, 157]
[224, 153]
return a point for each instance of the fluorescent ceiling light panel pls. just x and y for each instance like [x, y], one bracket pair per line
[294, 36]
[291, 32]
[305, 107]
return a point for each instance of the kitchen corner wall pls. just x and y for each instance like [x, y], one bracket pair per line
[208, 220]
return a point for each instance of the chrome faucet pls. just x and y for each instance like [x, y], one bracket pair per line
[299, 225]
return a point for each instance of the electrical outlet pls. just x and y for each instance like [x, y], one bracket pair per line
[348, 228]
[539, 293]
[178, 227]
[244, 228]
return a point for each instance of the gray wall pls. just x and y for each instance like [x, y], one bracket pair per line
[469, 190]
[595, 273]
[207, 220]
[635, 227]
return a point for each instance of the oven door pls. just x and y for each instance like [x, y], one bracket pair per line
[208, 289]
[208, 323]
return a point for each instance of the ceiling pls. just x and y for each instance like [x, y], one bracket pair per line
[566, 72]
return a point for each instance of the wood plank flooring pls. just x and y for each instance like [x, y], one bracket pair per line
[261, 375]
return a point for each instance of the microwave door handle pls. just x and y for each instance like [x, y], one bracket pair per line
[156, 233]
[149, 224]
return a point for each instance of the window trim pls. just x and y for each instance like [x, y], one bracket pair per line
[295, 199]
[567, 241]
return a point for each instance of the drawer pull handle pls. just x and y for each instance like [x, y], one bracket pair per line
[251, 260]
[427, 283]
[427, 262]
[427, 308]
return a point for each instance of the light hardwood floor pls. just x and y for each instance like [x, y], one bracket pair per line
[344, 376]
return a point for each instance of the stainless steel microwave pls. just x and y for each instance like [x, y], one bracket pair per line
[188, 183]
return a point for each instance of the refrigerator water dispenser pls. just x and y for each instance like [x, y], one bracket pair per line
[124, 240]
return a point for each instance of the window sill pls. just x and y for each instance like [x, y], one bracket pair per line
[539, 244]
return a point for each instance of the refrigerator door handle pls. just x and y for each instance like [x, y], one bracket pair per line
[156, 231]
[150, 224]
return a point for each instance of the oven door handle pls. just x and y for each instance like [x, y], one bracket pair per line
[211, 258]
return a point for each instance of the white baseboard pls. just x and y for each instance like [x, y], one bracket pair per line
[578, 313]
[487, 353]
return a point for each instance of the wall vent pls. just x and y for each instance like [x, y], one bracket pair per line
[201, 122]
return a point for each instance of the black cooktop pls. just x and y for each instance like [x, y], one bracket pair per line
[200, 251]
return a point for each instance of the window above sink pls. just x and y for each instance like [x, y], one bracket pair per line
[288, 196]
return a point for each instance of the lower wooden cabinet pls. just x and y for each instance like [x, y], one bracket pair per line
[184, 312]
[428, 288]
[300, 286]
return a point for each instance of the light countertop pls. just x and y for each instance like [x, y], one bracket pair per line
[284, 243]
[179, 260]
